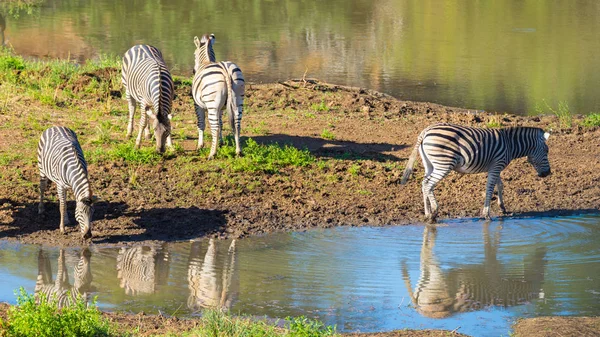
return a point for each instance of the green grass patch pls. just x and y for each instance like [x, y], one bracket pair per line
[268, 158]
[591, 120]
[327, 134]
[45, 319]
[322, 107]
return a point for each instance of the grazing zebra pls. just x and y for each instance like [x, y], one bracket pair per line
[60, 160]
[205, 291]
[216, 85]
[446, 147]
[61, 290]
[441, 292]
[140, 269]
[147, 81]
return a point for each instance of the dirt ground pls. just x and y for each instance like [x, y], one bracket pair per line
[357, 185]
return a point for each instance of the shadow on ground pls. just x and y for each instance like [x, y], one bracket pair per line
[336, 149]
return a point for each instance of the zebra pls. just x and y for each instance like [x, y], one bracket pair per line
[140, 269]
[147, 81]
[205, 291]
[216, 85]
[445, 147]
[441, 292]
[60, 160]
[61, 290]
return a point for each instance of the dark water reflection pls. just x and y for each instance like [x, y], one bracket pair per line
[505, 56]
[479, 276]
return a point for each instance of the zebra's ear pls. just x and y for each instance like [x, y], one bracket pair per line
[546, 135]
[196, 42]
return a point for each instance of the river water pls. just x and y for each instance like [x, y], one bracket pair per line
[517, 56]
[470, 274]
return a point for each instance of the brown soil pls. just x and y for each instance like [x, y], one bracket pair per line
[358, 184]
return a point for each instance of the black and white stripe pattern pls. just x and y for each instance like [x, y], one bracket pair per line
[140, 269]
[203, 280]
[148, 82]
[60, 160]
[447, 147]
[60, 289]
[441, 292]
[216, 85]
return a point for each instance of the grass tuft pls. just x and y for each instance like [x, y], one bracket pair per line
[28, 318]
[563, 113]
[591, 120]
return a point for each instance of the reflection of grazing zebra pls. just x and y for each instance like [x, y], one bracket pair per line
[140, 269]
[216, 86]
[147, 81]
[60, 160]
[205, 291]
[447, 147]
[439, 294]
[61, 290]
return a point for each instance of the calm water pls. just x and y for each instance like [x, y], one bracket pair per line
[468, 274]
[504, 56]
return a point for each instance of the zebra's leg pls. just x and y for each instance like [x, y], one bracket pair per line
[428, 169]
[131, 102]
[200, 114]
[43, 186]
[492, 179]
[500, 187]
[62, 200]
[147, 131]
[432, 180]
[237, 127]
[221, 129]
[215, 131]
[143, 123]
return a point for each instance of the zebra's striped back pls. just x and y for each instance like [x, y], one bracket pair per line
[61, 160]
[147, 80]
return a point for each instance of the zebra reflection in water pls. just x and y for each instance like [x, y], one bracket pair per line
[440, 293]
[60, 289]
[205, 290]
[141, 269]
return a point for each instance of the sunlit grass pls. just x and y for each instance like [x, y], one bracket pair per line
[591, 120]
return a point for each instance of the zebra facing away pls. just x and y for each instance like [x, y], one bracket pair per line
[216, 85]
[446, 147]
[148, 82]
[60, 160]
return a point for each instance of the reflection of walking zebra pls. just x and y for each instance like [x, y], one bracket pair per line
[216, 86]
[205, 291]
[447, 147]
[147, 81]
[60, 289]
[60, 160]
[440, 293]
[140, 269]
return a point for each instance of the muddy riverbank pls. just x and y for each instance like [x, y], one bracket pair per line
[359, 141]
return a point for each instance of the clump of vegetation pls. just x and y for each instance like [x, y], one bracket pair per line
[216, 323]
[269, 158]
[327, 134]
[320, 107]
[563, 113]
[591, 120]
[494, 122]
[28, 318]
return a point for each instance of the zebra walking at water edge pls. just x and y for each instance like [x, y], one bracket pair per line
[148, 82]
[216, 85]
[446, 147]
[60, 160]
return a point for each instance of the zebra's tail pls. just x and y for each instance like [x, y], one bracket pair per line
[232, 107]
[411, 160]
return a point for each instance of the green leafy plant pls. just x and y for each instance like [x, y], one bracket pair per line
[326, 134]
[42, 319]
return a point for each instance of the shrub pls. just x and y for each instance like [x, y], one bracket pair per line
[591, 120]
